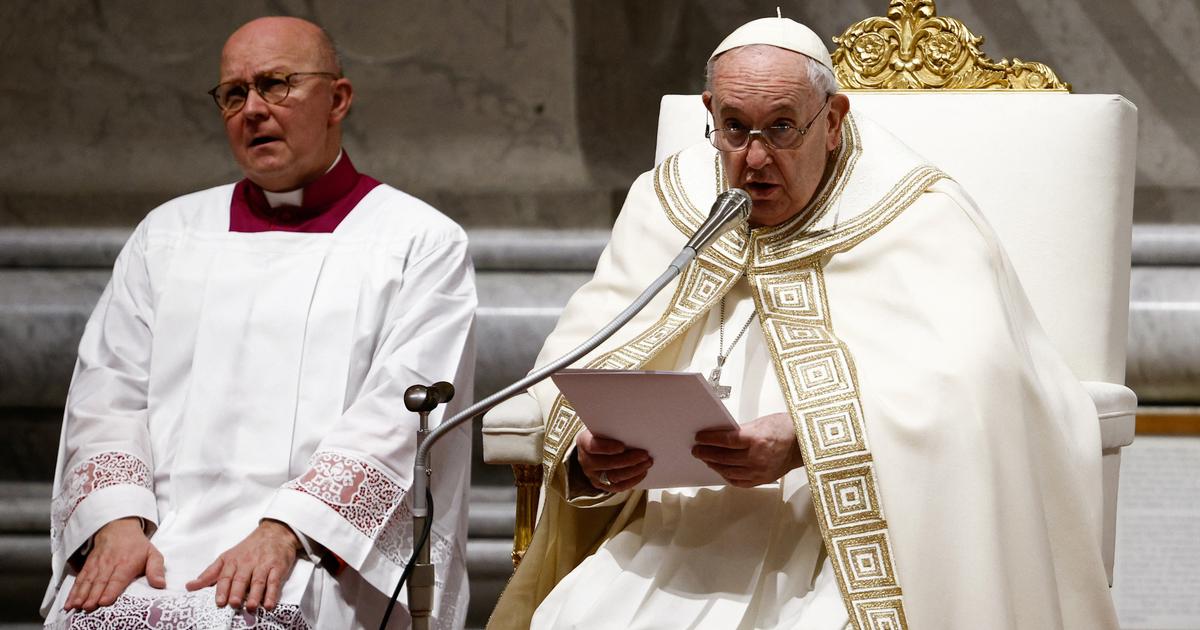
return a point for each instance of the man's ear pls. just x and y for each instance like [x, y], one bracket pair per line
[839, 106]
[343, 94]
[707, 97]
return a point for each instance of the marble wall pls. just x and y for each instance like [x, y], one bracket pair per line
[1142, 49]
[103, 111]
[103, 106]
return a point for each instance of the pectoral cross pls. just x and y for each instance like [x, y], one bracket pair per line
[714, 379]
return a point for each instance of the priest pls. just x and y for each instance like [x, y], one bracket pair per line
[235, 449]
[911, 451]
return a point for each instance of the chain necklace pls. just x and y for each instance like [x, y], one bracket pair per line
[714, 377]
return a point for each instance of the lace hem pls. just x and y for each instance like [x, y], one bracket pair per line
[374, 504]
[100, 471]
[190, 611]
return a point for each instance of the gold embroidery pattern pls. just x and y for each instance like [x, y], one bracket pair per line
[816, 373]
[775, 252]
[704, 282]
[685, 216]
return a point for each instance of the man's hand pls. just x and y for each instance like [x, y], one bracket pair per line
[755, 453]
[260, 563]
[120, 554]
[606, 460]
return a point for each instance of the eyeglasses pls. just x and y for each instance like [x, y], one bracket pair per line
[272, 87]
[782, 136]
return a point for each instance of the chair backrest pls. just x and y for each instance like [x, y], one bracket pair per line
[1052, 172]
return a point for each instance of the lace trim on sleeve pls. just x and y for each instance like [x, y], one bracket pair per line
[369, 500]
[112, 468]
[178, 612]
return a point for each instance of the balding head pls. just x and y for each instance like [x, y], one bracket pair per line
[314, 40]
[289, 144]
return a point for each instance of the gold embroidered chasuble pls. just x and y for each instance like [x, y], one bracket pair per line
[874, 180]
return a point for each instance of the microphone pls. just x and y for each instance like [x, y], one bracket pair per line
[421, 398]
[442, 392]
[730, 210]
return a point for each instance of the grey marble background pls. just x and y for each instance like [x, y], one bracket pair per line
[103, 111]
[525, 120]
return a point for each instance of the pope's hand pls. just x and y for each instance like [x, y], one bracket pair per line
[120, 554]
[755, 453]
[260, 564]
[608, 464]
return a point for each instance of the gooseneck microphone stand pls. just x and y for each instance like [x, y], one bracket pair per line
[421, 400]
[731, 210]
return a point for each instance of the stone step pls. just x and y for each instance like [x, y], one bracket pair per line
[1163, 360]
[1166, 244]
[43, 313]
[583, 207]
[538, 249]
[492, 248]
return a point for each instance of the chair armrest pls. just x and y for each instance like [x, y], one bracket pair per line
[1116, 406]
[512, 432]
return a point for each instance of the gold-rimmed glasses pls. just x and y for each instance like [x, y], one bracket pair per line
[273, 87]
[782, 136]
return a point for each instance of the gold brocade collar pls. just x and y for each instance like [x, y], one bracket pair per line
[864, 191]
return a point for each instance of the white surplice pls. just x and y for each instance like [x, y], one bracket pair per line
[228, 377]
[772, 570]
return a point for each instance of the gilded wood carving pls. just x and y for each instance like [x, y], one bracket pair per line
[914, 48]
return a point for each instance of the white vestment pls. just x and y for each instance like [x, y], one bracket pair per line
[952, 459]
[771, 570]
[227, 377]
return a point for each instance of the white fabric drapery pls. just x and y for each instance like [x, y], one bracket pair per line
[227, 377]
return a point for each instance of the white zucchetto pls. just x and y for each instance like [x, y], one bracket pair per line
[780, 32]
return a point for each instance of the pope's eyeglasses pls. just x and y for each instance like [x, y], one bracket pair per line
[782, 136]
[273, 87]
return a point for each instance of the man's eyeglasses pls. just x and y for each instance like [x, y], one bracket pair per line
[272, 87]
[782, 136]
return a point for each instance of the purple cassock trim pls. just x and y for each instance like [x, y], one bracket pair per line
[326, 202]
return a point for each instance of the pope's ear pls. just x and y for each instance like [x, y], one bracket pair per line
[707, 98]
[839, 106]
[343, 94]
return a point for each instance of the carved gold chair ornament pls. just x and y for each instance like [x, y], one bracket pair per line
[914, 48]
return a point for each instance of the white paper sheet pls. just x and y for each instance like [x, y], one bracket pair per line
[656, 411]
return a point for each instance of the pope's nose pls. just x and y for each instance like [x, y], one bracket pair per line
[758, 154]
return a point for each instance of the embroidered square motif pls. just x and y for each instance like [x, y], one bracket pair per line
[794, 296]
[791, 337]
[561, 420]
[834, 430]
[818, 375]
[866, 560]
[885, 614]
[702, 286]
[849, 496]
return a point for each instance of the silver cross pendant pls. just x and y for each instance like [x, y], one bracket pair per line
[714, 379]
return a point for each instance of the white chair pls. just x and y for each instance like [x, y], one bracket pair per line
[1053, 173]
